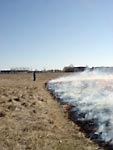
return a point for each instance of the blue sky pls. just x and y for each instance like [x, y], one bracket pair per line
[55, 33]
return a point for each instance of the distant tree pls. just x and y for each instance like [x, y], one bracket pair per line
[69, 68]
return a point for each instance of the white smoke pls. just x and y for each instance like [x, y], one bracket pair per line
[91, 92]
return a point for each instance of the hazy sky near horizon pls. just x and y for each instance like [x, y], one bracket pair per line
[56, 33]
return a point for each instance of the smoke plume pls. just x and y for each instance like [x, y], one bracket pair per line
[91, 95]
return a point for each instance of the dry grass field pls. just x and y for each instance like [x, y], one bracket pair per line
[30, 119]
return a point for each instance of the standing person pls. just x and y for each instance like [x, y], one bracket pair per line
[34, 76]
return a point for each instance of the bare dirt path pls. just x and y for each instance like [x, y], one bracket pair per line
[30, 119]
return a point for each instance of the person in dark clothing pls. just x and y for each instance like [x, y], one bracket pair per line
[34, 76]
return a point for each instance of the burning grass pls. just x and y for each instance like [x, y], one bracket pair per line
[88, 98]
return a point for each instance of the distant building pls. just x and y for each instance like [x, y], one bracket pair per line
[74, 69]
[80, 69]
[102, 68]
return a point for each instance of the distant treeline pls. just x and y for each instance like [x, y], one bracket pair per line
[27, 71]
[70, 68]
